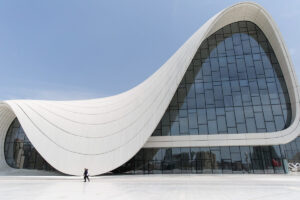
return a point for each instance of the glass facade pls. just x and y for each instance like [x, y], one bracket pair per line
[20, 153]
[234, 84]
[244, 159]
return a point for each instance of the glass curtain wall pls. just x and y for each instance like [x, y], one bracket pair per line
[207, 160]
[20, 153]
[234, 84]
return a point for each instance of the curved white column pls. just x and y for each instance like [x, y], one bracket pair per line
[6, 118]
[102, 134]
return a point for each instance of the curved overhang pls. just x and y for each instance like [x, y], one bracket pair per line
[102, 134]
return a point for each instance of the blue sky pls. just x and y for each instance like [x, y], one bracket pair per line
[74, 49]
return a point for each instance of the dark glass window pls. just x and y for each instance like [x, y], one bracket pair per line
[234, 84]
[20, 153]
[234, 159]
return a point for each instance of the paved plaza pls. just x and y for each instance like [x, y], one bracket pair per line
[152, 187]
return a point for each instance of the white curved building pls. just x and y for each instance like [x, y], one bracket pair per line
[226, 101]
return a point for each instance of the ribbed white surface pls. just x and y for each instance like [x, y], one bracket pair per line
[102, 134]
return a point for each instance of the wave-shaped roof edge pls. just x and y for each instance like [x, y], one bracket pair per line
[102, 134]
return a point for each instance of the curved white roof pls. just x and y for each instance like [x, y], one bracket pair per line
[102, 134]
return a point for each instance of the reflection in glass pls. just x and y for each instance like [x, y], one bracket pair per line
[245, 159]
[20, 153]
[234, 84]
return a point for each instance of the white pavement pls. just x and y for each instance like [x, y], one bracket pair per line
[152, 187]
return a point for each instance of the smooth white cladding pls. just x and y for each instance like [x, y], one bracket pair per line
[102, 134]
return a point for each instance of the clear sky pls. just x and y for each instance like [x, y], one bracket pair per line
[74, 49]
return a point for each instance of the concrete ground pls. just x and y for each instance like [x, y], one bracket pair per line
[152, 187]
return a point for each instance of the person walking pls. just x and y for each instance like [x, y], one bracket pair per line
[86, 174]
